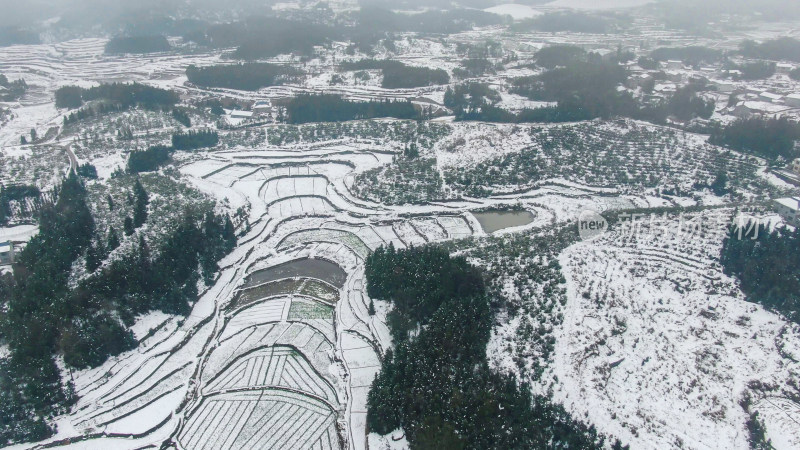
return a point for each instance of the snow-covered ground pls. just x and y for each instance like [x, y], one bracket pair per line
[654, 344]
[658, 347]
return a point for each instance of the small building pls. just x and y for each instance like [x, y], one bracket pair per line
[262, 107]
[674, 64]
[638, 80]
[238, 114]
[746, 109]
[783, 68]
[769, 96]
[792, 100]
[789, 209]
[6, 253]
[724, 86]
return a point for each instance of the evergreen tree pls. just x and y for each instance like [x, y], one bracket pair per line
[229, 233]
[127, 226]
[110, 202]
[140, 204]
[94, 256]
[113, 240]
[371, 307]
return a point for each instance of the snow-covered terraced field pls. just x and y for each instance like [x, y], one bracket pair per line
[281, 350]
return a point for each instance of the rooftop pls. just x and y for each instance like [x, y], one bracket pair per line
[789, 202]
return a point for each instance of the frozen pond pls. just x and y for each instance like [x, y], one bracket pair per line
[492, 221]
[306, 267]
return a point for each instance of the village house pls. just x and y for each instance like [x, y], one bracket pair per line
[792, 100]
[238, 114]
[262, 107]
[748, 109]
[783, 68]
[769, 96]
[789, 209]
[724, 86]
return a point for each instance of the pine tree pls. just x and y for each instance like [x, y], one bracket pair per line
[229, 234]
[371, 307]
[127, 226]
[110, 202]
[94, 256]
[113, 240]
[140, 204]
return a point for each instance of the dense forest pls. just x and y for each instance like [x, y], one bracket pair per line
[246, 77]
[88, 323]
[692, 55]
[767, 264]
[768, 138]
[584, 86]
[436, 384]
[137, 44]
[14, 90]
[397, 75]
[192, 140]
[780, 49]
[306, 108]
[757, 70]
[120, 95]
[148, 160]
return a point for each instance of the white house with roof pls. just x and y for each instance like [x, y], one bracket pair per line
[789, 209]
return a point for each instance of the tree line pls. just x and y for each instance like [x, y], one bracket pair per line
[397, 75]
[245, 77]
[156, 156]
[192, 140]
[437, 384]
[306, 108]
[149, 160]
[122, 95]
